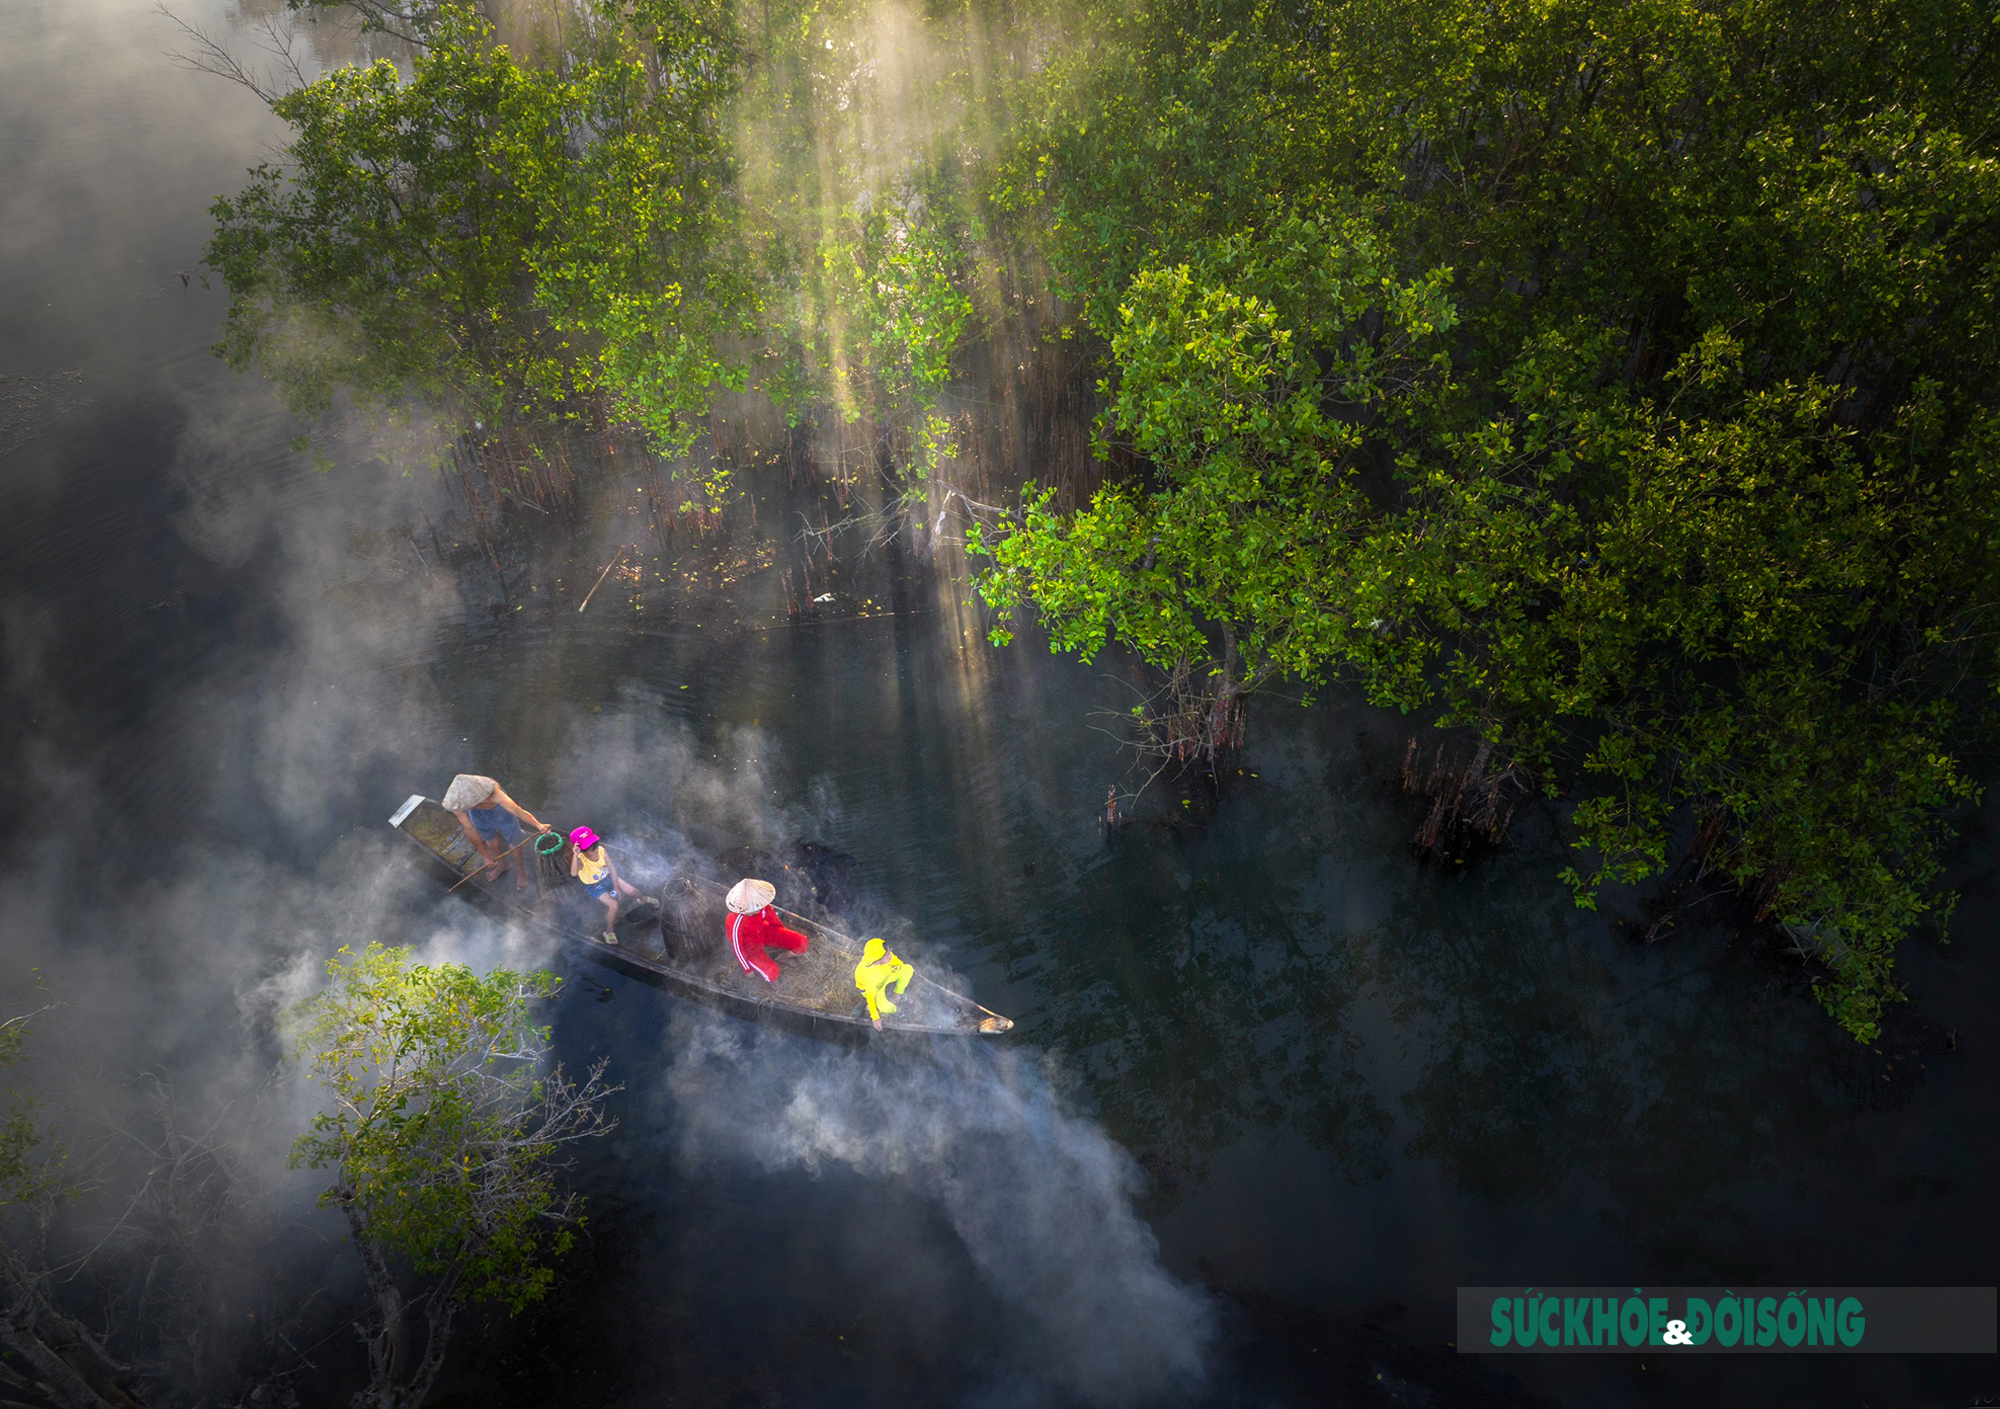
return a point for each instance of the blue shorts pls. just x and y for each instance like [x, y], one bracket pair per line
[602, 888]
[497, 824]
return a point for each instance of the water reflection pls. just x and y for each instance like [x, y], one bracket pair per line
[1267, 1010]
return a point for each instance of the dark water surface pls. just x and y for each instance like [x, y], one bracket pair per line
[1276, 1090]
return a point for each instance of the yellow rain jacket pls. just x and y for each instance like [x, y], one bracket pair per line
[876, 971]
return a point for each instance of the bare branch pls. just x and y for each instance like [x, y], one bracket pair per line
[207, 54]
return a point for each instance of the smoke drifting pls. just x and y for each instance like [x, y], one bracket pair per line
[260, 826]
[224, 668]
[1041, 1198]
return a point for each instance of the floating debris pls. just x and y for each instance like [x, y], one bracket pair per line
[29, 405]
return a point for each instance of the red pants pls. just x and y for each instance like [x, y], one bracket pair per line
[750, 934]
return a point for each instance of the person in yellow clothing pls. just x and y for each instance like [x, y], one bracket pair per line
[591, 864]
[877, 970]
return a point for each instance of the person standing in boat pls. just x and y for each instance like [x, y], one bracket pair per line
[590, 863]
[754, 928]
[488, 817]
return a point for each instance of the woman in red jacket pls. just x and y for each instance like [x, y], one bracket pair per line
[753, 925]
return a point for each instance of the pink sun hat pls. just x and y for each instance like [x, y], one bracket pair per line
[583, 839]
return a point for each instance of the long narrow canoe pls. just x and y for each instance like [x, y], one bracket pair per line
[817, 986]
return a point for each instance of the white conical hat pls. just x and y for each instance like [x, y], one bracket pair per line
[747, 897]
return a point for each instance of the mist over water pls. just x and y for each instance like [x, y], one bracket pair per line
[1041, 1199]
[1271, 1078]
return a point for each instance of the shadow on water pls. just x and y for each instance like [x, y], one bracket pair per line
[1347, 1082]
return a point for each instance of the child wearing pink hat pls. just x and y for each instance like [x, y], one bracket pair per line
[590, 863]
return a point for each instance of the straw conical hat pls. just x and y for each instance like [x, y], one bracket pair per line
[747, 897]
[468, 790]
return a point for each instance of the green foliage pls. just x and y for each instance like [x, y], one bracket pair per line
[442, 1131]
[1612, 379]
[859, 207]
[895, 285]
[528, 239]
[634, 255]
[33, 1162]
[500, 238]
[1699, 524]
[35, 1165]
[1228, 369]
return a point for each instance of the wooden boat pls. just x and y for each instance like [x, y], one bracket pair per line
[816, 987]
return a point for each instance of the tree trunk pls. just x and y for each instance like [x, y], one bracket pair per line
[437, 1334]
[69, 1366]
[387, 1339]
[392, 1382]
[1222, 718]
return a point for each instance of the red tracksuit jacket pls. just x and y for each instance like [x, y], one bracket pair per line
[749, 934]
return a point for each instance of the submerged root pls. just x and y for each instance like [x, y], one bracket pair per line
[1192, 722]
[1469, 807]
[1703, 877]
